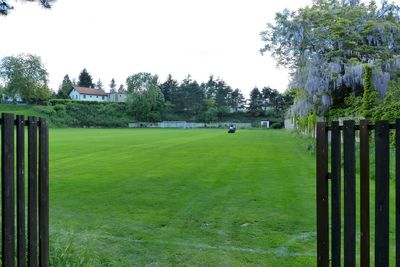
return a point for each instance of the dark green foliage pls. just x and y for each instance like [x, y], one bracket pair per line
[370, 96]
[168, 88]
[121, 89]
[145, 99]
[113, 86]
[99, 84]
[190, 98]
[256, 102]
[326, 44]
[25, 76]
[236, 100]
[65, 88]
[68, 113]
[85, 79]
[389, 108]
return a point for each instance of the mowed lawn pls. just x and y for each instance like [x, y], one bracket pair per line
[152, 197]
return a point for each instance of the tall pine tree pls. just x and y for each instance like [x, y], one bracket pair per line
[99, 84]
[65, 88]
[256, 102]
[85, 79]
[113, 86]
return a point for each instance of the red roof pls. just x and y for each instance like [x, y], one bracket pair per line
[90, 91]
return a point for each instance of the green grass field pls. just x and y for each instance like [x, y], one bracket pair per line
[151, 197]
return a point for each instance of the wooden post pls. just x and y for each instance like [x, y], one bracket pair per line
[349, 194]
[364, 195]
[7, 186]
[43, 194]
[32, 193]
[21, 239]
[398, 193]
[382, 194]
[336, 193]
[322, 196]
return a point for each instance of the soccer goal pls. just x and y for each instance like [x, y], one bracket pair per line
[264, 124]
[174, 124]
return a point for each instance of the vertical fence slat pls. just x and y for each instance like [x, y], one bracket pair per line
[336, 193]
[21, 239]
[322, 196]
[43, 194]
[382, 194]
[7, 184]
[398, 193]
[349, 194]
[364, 195]
[32, 192]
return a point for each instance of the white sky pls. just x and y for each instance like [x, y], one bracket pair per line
[116, 38]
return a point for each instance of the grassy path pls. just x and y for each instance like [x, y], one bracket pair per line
[125, 197]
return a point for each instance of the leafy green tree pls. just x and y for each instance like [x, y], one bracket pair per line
[326, 44]
[270, 97]
[85, 79]
[145, 98]
[141, 81]
[389, 108]
[5, 7]
[113, 86]
[256, 102]
[25, 76]
[65, 88]
[220, 92]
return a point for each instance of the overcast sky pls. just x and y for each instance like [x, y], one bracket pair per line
[120, 37]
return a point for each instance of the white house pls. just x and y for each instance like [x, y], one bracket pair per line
[88, 94]
[117, 97]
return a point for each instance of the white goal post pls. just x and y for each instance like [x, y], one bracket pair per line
[173, 124]
[264, 124]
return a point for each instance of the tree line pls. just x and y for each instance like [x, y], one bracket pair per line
[149, 99]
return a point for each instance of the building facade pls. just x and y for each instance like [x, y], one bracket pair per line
[88, 94]
[93, 94]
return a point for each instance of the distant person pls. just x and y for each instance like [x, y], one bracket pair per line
[232, 129]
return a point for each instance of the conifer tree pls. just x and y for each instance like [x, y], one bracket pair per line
[85, 80]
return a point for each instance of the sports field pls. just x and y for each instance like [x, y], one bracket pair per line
[151, 197]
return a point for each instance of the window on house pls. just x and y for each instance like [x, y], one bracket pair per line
[84, 96]
[103, 97]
